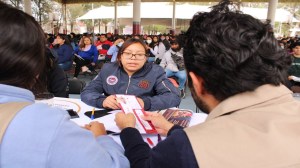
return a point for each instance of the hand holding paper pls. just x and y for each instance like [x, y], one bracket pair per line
[159, 122]
[125, 120]
[141, 102]
[111, 103]
[131, 104]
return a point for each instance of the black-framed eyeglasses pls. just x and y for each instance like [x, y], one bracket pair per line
[139, 56]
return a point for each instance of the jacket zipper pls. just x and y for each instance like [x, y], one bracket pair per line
[128, 85]
[166, 86]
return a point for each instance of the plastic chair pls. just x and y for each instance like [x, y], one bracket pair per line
[66, 66]
[75, 86]
[174, 82]
[295, 89]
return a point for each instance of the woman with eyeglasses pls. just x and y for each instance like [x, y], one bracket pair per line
[131, 75]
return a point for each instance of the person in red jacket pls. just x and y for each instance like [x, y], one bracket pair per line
[102, 46]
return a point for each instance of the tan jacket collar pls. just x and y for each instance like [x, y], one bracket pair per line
[246, 99]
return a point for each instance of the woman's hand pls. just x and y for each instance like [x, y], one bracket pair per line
[96, 128]
[141, 102]
[111, 102]
[125, 120]
[159, 122]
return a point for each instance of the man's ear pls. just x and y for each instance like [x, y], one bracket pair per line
[197, 84]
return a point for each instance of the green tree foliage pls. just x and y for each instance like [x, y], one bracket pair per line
[41, 10]
[16, 3]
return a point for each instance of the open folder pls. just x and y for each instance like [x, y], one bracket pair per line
[78, 56]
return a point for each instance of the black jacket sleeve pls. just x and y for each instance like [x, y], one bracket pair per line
[175, 151]
[57, 82]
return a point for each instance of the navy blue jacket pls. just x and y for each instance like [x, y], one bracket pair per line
[149, 83]
[91, 54]
[173, 152]
[65, 53]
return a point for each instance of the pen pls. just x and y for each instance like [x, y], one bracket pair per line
[150, 142]
[158, 138]
[108, 132]
[93, 112]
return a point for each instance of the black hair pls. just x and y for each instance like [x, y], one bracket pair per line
[73, 34]
[126, 44]
[66, 38]
[233, 52]
[153, 44]
[294, 45]
[22, 48]
[50, 61]
[103, 35]
[178, 39]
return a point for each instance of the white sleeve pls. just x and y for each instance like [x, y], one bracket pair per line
[163, 62]
[154, 51]
[296, 79]
[161, 50]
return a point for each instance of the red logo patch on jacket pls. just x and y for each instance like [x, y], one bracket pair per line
[144, 84]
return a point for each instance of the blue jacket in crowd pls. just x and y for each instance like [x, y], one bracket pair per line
[65, 53]
[113, 50]
[91, 54]
[149, 83]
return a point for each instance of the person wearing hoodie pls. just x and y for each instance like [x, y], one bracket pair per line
[113, 50]
[174, 65]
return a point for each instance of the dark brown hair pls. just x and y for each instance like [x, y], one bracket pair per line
[82, 45]
[22, 48]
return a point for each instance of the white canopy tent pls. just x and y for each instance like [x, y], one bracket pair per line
[281, 15]
[161, 12]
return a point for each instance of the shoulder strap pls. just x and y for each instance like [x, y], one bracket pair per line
[7, 113]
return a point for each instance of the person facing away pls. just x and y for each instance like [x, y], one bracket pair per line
[40, 136]
[131, 74]
[236, 72]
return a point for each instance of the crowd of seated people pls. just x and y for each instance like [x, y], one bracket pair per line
[292, 46]
[294, 70]
[288, 42]
[92, 48]
[250, 102]
[82, 51]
